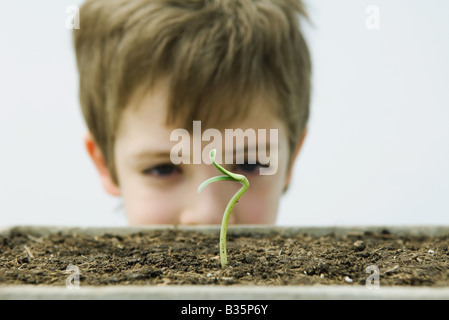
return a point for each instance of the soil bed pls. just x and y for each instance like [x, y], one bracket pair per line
[177, 257]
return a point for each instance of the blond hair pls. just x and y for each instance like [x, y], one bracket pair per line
[218, 55]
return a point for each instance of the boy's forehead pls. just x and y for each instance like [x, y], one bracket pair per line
[152, 106]
[144, 132]
[150, 118]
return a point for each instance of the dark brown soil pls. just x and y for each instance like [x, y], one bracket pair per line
[173, 257]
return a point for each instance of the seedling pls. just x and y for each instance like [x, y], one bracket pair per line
[229, 176]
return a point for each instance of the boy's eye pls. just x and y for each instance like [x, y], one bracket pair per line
[249, 168]
[162, 170]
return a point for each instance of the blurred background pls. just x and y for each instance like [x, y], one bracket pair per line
[377, 151]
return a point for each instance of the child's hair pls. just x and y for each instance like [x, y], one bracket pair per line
[218, 56]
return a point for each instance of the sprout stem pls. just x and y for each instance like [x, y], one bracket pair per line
[229, 176]
[224, 223]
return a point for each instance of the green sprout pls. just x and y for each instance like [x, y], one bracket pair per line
[229, 176]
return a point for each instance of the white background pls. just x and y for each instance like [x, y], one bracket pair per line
[378, 145]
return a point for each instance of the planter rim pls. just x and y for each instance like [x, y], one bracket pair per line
[191, 292]
[410, 230]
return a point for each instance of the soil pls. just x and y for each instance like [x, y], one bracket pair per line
[174, 257]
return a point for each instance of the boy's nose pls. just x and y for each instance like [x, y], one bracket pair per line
[207, 207]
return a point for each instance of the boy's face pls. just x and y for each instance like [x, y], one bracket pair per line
[155, 191]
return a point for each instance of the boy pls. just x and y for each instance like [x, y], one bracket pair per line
[150, 67]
